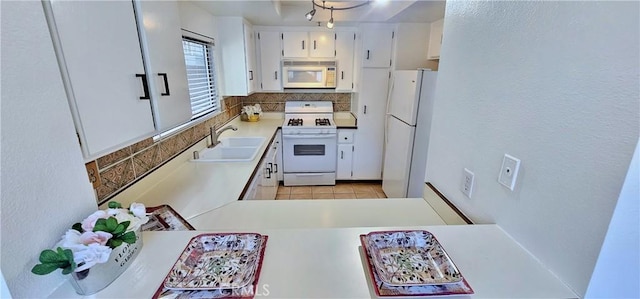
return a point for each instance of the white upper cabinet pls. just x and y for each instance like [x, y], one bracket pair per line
[295, 44]
[321, 44]
[164, 62]
[377, 44]
[345, 46]
[313, 44]
[100, 61]
[435, 39]
[270, 54]
[237, 51]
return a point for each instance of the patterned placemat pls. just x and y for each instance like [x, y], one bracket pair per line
[164, 218]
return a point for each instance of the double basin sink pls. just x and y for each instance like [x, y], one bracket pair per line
[232, 149]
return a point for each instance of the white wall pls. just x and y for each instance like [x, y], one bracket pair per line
[412, 44]
[620, 253]
[45, 188]
[196, 19]
[556, 85]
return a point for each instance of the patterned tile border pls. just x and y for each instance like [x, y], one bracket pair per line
[274, 102]
[120, 169]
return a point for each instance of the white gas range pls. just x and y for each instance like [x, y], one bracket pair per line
[309, 149]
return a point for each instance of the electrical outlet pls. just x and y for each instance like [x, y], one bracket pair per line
[467, 182]
[509, 171]
[94, 175]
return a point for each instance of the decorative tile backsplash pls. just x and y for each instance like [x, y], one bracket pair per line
[120, 169]
[274, 102]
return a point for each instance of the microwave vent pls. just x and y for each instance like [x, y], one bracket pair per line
[308, 63]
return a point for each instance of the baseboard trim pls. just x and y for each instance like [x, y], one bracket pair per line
[451, 205]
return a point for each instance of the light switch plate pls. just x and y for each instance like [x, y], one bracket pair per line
[467, 182]
[509, 171]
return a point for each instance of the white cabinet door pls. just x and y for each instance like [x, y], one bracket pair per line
[278, 148]
[345, 46]
[368, 144]
[321, 44]
[377, 44]
[270, 55]
[250, 53]
[295, 44]
[164, 62]
[236, 47]
[101, 49]
[345, 160]
[435, 39]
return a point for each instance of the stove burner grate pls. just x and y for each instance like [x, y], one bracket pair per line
[294, 122]
[322, 122]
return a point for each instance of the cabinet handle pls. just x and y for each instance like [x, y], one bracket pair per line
[365, 109]
[275, 168]
[166, 84]
[342, 75]
[314, 45]
[269, 170]
[250, 75]
[276, 72]
[367, 54]
[302, 45]
[145, 86]
[341, 155]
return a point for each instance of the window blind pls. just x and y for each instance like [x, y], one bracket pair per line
[200, 76]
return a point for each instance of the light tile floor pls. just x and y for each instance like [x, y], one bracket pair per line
[349, 190]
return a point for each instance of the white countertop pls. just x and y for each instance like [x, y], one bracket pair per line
[318, 213]
[327, 263]
[193, 188]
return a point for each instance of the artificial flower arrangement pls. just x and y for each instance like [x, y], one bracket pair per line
[91, 241]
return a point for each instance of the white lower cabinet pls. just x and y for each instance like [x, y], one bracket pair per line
[344, 168]
[264, 184]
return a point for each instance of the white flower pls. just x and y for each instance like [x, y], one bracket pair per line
[138, 210]
[89, 255]
[135, 222]
[70, 239]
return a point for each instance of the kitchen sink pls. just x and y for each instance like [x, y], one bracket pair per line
[232, 149]
[242, 141]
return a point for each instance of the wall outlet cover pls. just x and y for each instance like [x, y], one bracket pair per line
[509, 171]
[467, 182]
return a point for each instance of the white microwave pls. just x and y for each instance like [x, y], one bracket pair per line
[308, 74]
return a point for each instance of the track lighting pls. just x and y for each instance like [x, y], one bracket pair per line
[330, 24]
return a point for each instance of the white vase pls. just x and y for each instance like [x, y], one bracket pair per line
[100, 276]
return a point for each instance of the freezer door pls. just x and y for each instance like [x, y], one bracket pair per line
[403, 100]
[397, 158]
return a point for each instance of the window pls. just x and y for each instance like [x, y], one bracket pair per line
[198, 56]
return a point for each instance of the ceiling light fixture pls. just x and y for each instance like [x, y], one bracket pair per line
[330, 24]
[310, 14]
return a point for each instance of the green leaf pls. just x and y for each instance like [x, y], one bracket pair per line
[126, 224]
[129, 237]
[67, 270]
[114, 205]
[78, 227]
[50, 256]
[43, 269]
[113, 243]
[69, 255]
[101, 225]
[112, 223]
[119, 229]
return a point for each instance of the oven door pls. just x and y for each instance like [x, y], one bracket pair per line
[309, 153]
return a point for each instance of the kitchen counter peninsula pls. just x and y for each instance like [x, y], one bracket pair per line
[329, 263]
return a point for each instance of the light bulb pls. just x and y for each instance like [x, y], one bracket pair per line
[310, 14]
[330, 24]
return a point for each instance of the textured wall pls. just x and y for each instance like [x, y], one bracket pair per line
[44, 186]
[556, 85]
[274, 102]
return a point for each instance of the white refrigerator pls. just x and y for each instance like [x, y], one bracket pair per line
[407, 132]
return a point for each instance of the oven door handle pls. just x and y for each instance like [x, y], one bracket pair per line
[324, 136]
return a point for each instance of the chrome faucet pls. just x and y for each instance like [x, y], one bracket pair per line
[214, 135]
